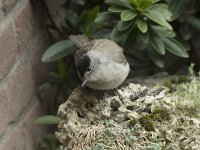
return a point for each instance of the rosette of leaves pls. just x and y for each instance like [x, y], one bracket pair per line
[143, 24]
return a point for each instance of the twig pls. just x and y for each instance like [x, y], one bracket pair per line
[52, 21]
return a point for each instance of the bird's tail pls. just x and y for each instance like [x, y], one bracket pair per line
[80, 40]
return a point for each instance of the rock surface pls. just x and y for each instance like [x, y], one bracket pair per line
[132, 117]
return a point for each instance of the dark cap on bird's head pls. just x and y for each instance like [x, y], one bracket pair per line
[83, 64]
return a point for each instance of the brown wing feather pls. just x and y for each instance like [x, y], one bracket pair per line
[83, 43]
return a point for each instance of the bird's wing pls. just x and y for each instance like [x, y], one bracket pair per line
[83, 43]
[109, 49]
[80, 40]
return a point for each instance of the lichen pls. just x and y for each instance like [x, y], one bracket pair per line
[117, 121]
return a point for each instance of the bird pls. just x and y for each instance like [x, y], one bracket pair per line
[100, 63]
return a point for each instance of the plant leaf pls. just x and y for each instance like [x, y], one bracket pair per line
[79, 2]
[123, 25]
[155, 1]
[175, 47]
[115, 9]
[193, 21]
[163, 10]
[105, 16]
[156, 17]
[156, 57]
[142, 25]
[47, 120]
[58, 50]
[160, 6]
[144, 37]
[162, 31]
[176, 7]
[117, 35]
[104, 33]
[131, 39]
[144, 4]
[119, 3]
[157, 44]
[127, 15]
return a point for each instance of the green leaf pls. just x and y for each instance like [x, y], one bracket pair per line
[131, 39]
[115, 9]
[89, 28]
[155, 1]
[157, 44]
[156, 17]
[193, 21]
[119, 3]
[79, 2]
[163, 32]
[176, 7]
[127, 15]
[72, 18]
[58, 50]
[104, 33]
[47, 120]
[162, 9]
[160, 6]
[117, 35]
[156, 57]
[144, 4]
[105, 16]
[123, 25]
[144, 37]
[142, 25]
[175, 47]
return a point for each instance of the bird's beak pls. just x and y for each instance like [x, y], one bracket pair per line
[84, 83]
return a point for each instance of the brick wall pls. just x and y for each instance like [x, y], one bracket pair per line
[23, 39]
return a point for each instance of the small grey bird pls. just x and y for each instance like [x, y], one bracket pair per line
[100, 63]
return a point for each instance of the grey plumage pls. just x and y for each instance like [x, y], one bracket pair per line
[100, 63]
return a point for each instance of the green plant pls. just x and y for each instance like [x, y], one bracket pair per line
[155, 26]
[144, 24]
[187, 94]
[49, 141]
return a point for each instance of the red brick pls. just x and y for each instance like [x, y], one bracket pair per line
[25, 135]
[2, 15]
[15, 140]
[40, 69]
[8, 48]
[28, 23]
[20, 88]
[32, 132]
[4, 105]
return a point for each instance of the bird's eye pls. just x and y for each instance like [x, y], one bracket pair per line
[89, 69]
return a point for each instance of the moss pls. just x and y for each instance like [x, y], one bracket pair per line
[160, 114]
[132, 123]
[146, 122]
[189, 111]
